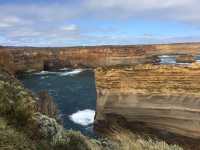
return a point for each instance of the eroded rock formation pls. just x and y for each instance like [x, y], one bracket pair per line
[148, 97]
[20, 59]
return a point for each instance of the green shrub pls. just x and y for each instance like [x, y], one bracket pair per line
[11, 139]
[16, 104]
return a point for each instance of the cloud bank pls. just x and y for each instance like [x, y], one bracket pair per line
[54, 23]
[178, 10]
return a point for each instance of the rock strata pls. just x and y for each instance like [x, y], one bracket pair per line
[185, 59]
[146, 96]
[21, 59]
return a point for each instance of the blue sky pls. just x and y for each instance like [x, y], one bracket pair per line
[98, 22]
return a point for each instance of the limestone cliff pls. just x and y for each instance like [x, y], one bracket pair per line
[145, 97]
[20, 59]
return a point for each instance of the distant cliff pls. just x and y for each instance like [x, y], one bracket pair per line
[20, 59]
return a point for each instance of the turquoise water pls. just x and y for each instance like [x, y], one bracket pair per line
[73, 91]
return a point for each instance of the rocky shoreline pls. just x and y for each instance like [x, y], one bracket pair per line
[138, 97]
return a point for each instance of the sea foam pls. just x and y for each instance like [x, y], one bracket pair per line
[45, 73]
[71, 73]
[83, 117]
[63, 73]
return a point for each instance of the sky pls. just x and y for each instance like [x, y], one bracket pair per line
[98, 22]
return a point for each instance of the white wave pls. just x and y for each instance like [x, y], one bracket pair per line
[183, 63]
[45, 73]
[83, 117]
[198, 61]
[65, 72]
[71, 73]
[167, 56]
[64, 69]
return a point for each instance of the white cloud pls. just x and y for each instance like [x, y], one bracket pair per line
[9, 21]
[174, 10]
[41, 12]
[52, 24]
[71, 27]
[4, 25]
[23, 33]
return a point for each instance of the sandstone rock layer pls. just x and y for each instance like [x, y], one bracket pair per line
[163, 97]
[20, 59]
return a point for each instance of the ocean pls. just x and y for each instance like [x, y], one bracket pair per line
[74, 93]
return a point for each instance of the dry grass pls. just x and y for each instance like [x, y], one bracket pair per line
[129, 141]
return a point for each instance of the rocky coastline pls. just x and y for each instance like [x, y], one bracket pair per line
[29, 122]
[138, 97]
[27, 59]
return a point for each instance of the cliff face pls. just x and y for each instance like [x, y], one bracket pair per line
[146, 97]
[25, 59]
[35, 59]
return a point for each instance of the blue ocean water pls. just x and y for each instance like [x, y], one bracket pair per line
[74, 93]
[167, 59]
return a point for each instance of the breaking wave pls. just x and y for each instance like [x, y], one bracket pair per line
[83, 117]
[64, 69]
[65, 72]
[45, 73]
[73, 72]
